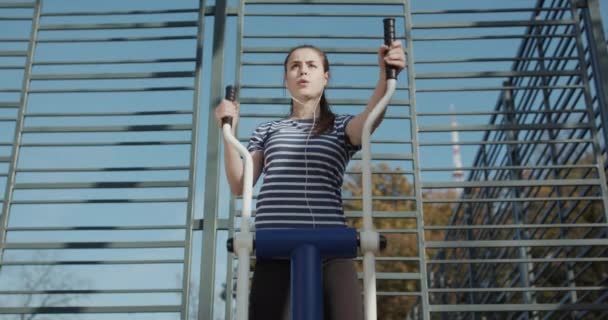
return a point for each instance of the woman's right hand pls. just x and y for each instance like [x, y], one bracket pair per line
[227, 108]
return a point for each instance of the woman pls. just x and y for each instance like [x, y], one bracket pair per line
[304, 157]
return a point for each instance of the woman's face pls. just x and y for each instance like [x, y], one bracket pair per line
[305, 77]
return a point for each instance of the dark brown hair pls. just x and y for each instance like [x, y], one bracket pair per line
[327, 117]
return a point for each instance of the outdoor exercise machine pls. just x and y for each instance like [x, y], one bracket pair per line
[307, 247]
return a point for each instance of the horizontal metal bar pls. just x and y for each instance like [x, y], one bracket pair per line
[492, 24]
[381, 198]
[495, 10]
[516, 243]
[94, 245]
[90, 262]
[114, 90]
[109, 169]
[498, 88]
[124, 61]
[397, 293]
[327, 2]
[13, 53]
[89, 291]
[500, 142]
[394, 275]
[511, 183]
[535, 199]
[491, 113]
[531, 260]
[114, 13]
[5, 159]
[525, 167]
[103, 185]
[108, 26]
[315, 36]
[99, 228]
[507, 59]
[500, 127]
[14, 40]
[397, 231]
[495, 74]
[383, 214]
[327, 50]
[17, 5]
[515, 289]
[11, 67]
[392, 259]
[97, 201]
[105, 144]
[492, 37]
[333, 101]
[518, 226]
[9, 105]
[87, 309]
[134, 128]
[10, 90]
[115, 39]
[105, 76]
[386, 156]
[15, 18]
[322, 15]
[107, 114]
[516, 307]
[3, 119]
[391, 141]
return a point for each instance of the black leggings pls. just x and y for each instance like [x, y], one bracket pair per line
[270, 296]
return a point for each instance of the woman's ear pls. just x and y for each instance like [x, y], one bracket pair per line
[326, 76]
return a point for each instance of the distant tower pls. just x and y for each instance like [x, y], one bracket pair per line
[458, 174]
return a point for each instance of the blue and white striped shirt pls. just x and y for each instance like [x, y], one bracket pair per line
[303, 173]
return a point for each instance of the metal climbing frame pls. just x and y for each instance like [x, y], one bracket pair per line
[527, 237]
[88, 194]
[106, 112]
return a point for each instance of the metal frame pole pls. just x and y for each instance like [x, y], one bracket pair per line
[212, 172]
[12, 169]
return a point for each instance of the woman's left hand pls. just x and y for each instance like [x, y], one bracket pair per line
[393, 56]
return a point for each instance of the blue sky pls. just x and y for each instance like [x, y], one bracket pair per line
[156, 276]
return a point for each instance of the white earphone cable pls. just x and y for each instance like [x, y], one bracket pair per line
[314, 120]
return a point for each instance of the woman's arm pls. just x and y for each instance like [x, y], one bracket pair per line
[393, 56]
[232, 159]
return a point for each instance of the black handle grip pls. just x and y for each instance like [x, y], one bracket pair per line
[230, 95]
[389, 37]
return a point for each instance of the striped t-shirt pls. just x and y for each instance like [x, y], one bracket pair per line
[302, 180]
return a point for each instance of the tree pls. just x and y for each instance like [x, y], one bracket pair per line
[39, 280]
[394, 183]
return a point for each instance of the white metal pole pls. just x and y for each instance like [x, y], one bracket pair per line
[243, 241]
[370, 240]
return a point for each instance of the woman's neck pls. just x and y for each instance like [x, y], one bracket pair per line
[305, 109]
